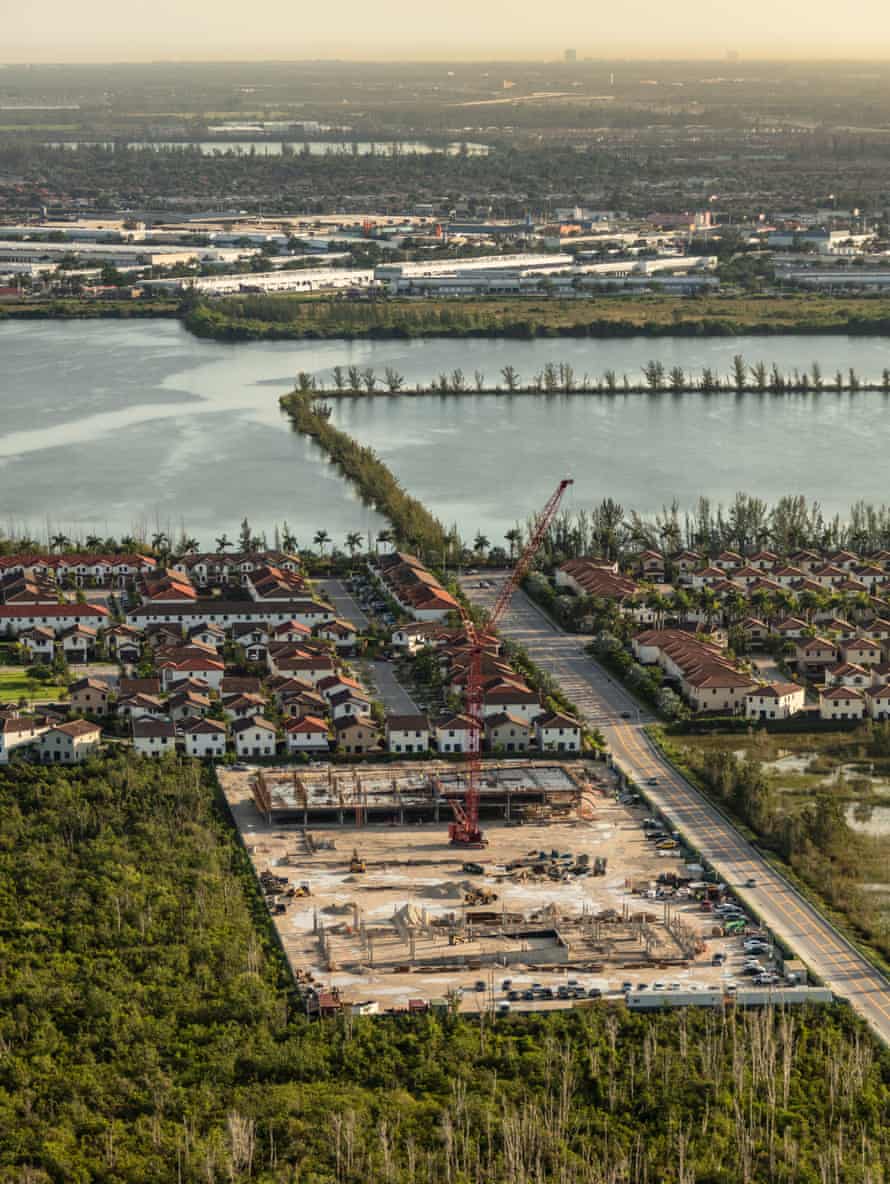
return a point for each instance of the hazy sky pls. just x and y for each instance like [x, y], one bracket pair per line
[101, 30]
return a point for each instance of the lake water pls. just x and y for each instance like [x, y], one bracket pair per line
[112, 425]
[275, 147]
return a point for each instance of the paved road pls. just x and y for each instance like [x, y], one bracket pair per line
[345, 605]
[789, 915]
[391, 692]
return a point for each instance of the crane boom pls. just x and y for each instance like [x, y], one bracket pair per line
[464, 830]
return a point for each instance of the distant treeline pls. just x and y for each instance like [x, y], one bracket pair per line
[289, 318]
[562, 378]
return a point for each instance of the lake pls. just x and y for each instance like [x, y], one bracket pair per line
[111, 426]
[275, 147]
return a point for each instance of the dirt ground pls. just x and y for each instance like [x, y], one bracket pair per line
[414, 882]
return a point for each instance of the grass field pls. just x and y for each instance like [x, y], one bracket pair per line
[14, 683]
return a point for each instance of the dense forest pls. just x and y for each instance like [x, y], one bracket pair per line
[147, 1033]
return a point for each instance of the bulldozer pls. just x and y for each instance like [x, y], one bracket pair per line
[356, 863]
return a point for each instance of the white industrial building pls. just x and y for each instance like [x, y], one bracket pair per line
[519, 273]
[316, 279]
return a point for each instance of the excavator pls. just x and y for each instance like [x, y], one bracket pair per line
[356, 863]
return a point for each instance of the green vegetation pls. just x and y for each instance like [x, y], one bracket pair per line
[287, 317]
[59, 308]
[412, 523]
[798, 794]
[149, 1034]
[561, 378]
[18, 683]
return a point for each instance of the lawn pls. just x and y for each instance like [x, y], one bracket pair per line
[14, 683]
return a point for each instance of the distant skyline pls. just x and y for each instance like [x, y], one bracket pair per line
[484, 30]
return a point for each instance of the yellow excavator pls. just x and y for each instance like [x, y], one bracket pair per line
[356, 864]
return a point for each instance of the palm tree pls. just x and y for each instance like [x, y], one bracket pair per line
[680, 602]
[59, 542]
[383, 536]
[353, 542]
[658, 604]
[159, 541]
[514, 538]
[189, 546]
[480, 544]
[288, 539]
[710, 605]
[734, 606]
[223, 543]
[93, 542]
[322, 538]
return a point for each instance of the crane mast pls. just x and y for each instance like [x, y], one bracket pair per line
[464, 830]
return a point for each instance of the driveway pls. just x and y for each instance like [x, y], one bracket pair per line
[790, 916]
[345, 604]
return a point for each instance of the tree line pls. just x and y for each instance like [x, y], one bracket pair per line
[412, 524]
[563, 378]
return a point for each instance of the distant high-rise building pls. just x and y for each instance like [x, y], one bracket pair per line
[571, 55]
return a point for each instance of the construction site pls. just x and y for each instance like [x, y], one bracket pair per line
[376, 907]
[416, 793]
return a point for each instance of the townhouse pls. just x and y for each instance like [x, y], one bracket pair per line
[308, 733]
[92, 695]
[70, 743]
[454, 733]
[357, 734]
[203, 738]
[105, 570]
[153, 736]
[778, 700]
[407, 733]
[412, 587]
[704, 675]
[841, 703]
[254, 736]
[19, 732]
[227, 613]
[18, 618]
[586, 577]
[557, 732]
[506, 732]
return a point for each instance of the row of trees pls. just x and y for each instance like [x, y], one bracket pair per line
[411, 522]
[747, 524]
[562, 378]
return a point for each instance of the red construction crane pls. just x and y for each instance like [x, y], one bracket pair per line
[464, 830]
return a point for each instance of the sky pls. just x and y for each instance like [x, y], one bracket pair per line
[106, 30]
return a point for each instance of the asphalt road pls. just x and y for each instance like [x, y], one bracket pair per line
[391, 692]
[345, 605]
[603, 702]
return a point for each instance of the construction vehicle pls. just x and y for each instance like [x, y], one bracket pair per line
[356, 863]
[473, 869]
[599, 865]
[480, 896]
[464, 830]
